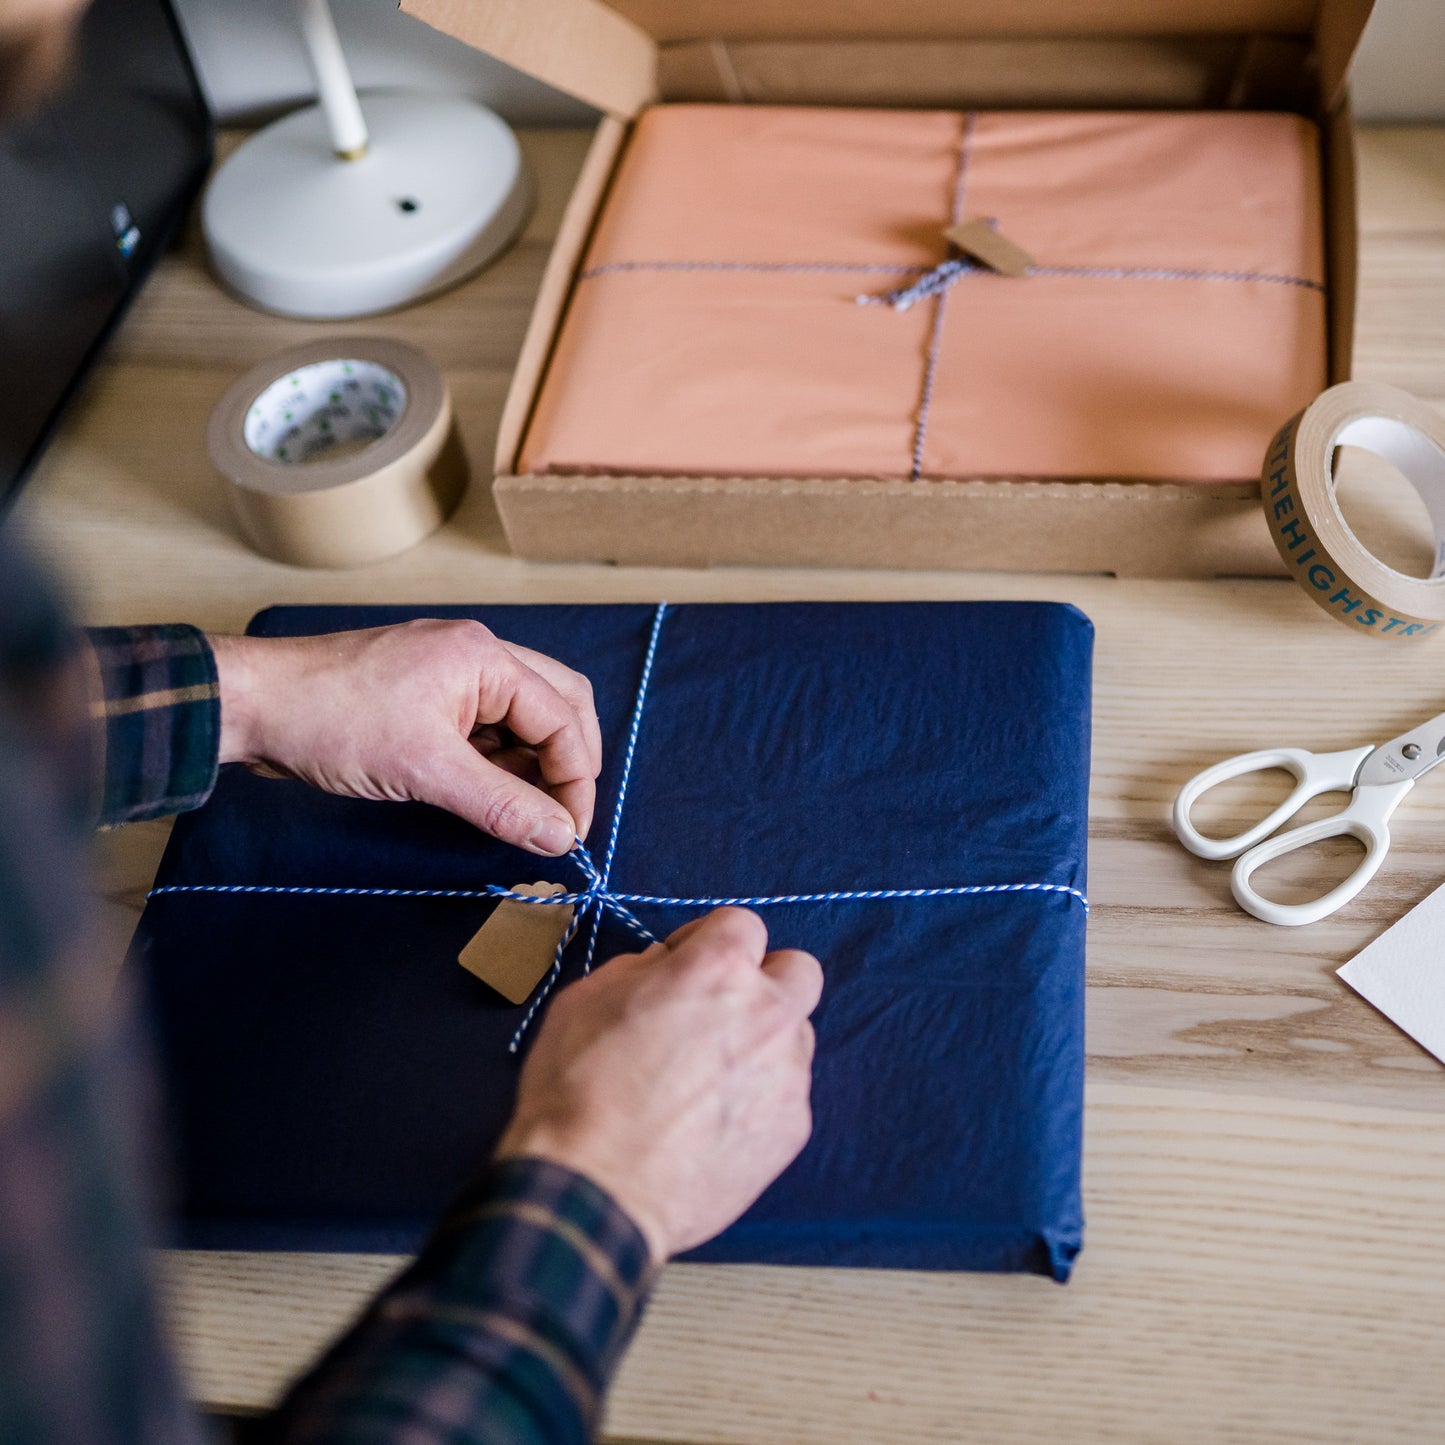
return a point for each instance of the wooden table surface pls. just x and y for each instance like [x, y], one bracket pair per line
[1265, 1155]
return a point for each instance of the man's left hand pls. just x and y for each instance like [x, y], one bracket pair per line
[431, 711]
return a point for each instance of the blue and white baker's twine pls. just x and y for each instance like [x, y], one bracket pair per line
[938, 281]
[934, 279]
[598, 899]
[935, 331]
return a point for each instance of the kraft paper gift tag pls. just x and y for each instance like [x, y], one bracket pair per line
[513, 950]
[983, 242]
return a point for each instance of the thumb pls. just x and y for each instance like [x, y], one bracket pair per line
[463, 782]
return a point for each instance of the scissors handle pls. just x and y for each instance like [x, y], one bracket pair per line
[1367, 818]
[1314, 773]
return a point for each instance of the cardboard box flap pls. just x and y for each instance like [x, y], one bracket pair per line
[583, 47]
[1338, 30]
[606, 52]
[673, 20]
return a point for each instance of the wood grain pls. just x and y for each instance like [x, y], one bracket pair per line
[1265, 1163]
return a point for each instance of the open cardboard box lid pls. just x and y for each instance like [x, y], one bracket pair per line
[607, 52]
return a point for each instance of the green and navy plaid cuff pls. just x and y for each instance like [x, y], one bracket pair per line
[506, 1329]
[539, 1228]
[156, 704]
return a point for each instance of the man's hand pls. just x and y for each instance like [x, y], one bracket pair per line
[432, 711]
[677, 1079]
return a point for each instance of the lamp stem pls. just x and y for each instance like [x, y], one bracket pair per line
[333, 80]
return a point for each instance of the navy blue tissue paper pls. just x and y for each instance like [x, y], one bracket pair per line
[334, 1076]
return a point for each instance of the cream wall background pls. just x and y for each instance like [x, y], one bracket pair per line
[249, 56]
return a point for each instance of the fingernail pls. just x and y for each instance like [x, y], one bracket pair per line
[553, 837]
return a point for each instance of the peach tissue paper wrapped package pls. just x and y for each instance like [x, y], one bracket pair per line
[770, 293]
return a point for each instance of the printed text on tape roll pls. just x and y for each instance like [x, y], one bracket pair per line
[1317, 544]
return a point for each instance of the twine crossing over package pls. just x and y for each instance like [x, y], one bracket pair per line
[900, 788]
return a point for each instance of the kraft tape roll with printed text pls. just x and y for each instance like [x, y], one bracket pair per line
[1318, 546]
[339, 452]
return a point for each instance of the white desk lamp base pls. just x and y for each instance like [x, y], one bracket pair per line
[295, 229]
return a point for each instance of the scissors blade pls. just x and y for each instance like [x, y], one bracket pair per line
[1411, 755]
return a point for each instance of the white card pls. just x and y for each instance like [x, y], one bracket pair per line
[1403, 973]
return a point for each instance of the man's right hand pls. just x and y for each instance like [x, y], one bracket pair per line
[677, 1079]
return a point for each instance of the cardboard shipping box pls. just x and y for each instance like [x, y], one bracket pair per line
[626, 55]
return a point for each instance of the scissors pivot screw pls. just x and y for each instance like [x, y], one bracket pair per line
[1411, 751]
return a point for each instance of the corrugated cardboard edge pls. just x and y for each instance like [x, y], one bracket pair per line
[1171, 72]
[584, 205]
[1342, 237]
[1339, 28]
[597, 54]
[1132, 529]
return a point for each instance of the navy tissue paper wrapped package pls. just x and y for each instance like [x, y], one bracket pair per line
[334, 1075]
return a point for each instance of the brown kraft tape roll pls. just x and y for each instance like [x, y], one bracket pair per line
[339, 452]
[1316, 542]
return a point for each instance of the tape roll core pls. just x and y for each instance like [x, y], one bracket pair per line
[327, 408]
[1319, 548]
[339, 452]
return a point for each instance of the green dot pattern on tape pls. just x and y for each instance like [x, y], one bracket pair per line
[319, 408]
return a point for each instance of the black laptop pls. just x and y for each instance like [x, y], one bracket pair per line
[92, 188]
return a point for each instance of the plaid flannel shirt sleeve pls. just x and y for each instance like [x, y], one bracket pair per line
[506, 1329]
[156, 708]
[81, 1349]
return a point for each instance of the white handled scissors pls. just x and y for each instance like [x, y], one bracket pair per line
[1379, 777]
